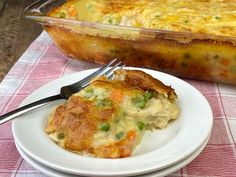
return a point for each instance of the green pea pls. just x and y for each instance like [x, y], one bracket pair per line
[185, 21]
[139, 102]
[110, 20]
[148, 95]
[141, 125]
[105, 127]
[89, 6]
[217, 18]
[216, 56]
[104, 103]
[62, 15]
[114, 50]
[187, 55]
[89, 93]
[61, 136]
[119, 135]
[184, 65]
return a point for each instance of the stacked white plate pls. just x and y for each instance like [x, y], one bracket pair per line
[160, 153]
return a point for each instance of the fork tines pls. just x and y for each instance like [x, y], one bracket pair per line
[109, 72]
[106, 70]
[110, 67]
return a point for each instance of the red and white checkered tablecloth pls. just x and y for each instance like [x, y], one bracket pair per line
[43, 62]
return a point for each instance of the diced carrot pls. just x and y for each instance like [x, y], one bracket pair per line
[224, 75]
[116, 96]
[120, 149]
[131, 134]
[126, 145]
[125, 151]
[225, 61]
[72, 11]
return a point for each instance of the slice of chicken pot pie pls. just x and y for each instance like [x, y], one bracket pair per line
[108, 118]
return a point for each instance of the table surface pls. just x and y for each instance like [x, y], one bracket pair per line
[43, 62]
[16, 32]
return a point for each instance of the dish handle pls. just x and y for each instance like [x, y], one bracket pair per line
[41, 7]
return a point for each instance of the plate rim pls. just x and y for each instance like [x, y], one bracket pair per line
[171, 169]
[103, 173]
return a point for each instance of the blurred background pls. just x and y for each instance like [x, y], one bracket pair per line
[16, 33]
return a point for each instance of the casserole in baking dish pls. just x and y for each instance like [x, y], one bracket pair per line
[193, 39]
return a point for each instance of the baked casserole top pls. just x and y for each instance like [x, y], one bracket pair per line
[216, 17]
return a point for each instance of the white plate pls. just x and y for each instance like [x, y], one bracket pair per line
[166, 171]
[159, 149]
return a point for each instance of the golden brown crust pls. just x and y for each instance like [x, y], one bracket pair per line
[79, 120]
[114, 84]
[118, 5]
[199, 66]
[55, 119]
[82, 120]
[144, 81]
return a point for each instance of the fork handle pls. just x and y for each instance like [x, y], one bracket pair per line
[19, 111]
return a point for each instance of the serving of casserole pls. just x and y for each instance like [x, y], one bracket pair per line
[192, 39]
[108, 118]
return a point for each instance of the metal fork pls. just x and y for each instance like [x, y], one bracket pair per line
[65, 93]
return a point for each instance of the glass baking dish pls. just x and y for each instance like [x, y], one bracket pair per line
[187, 55]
